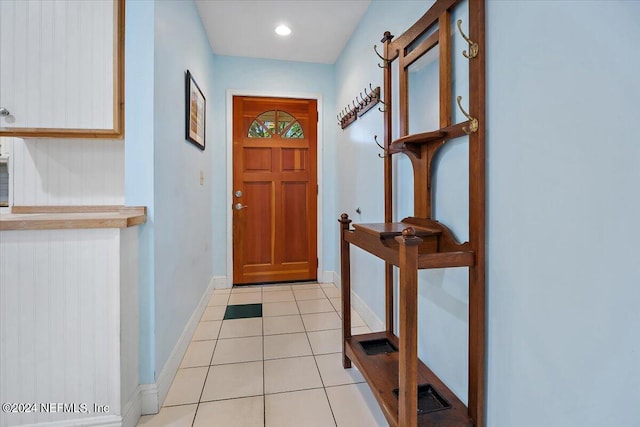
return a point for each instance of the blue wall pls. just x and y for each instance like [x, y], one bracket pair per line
[183, 208]
[564, 151]
[139, 162]
[164, 39]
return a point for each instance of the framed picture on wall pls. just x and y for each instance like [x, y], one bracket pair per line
[196, 112]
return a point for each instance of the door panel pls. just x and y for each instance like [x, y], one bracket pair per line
[274, 169]
[258, 159]
[259, 249]
[295, 159]
[295, 195]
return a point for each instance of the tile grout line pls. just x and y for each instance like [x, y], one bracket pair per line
[316, 360]
[264, 387]
[324, 388]
[204, 384]
[306, 333]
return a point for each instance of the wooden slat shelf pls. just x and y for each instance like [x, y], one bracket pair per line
[381, 372]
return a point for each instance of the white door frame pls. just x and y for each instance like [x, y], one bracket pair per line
[229, 147]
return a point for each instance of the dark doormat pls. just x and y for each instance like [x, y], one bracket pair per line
[243, 311]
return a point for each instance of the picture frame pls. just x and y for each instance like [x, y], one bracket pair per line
[196, 110]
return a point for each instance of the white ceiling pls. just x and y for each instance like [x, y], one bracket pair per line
[320, 28]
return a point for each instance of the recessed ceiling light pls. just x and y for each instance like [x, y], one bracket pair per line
[283, 30]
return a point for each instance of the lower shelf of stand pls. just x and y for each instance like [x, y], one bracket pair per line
[381, 372]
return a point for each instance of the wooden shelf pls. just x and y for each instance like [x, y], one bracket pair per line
[420, 138]
[381, 372]
[72, 217]
[436, 251]
[412, 143]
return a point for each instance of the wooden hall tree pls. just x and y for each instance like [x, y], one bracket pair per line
[409, 393]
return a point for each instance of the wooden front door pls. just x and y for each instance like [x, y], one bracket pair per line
[274, 190]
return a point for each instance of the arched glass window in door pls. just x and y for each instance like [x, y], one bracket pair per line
[275, 122]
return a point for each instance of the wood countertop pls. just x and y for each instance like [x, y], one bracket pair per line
[72, 217]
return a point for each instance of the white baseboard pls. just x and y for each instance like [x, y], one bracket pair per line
[132, 410]
[220, 282]
[149, 402]
[144, 402]
[152, 395]
[336, 279]
[171, 367]
[326, 277]
[369, 316]
[105, 421]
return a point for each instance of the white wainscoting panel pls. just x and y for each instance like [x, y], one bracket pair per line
[67, 172]
[60, 321]
[56, 63]
[129, 327]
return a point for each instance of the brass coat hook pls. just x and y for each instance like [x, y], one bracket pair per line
[473, 46]
[368, 95]
[385, 60]
[375, 138]
[382, 156]
[473, 122]
[383, 110]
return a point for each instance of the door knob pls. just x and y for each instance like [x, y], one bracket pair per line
[4, 112]
[240, 206]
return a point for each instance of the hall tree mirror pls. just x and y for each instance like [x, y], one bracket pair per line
[423, 91]
[424, 72]
[81, 96]
[422, 80]
[434, 80]
[401, 165]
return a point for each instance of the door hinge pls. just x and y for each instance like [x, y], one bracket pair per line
[317, 116]
[317, 262]
[317, 189]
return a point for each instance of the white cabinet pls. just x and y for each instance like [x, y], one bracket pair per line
[61, 68]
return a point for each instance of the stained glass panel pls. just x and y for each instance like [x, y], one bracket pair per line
[265, 125]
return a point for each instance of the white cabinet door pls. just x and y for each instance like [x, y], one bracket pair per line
[60, 64]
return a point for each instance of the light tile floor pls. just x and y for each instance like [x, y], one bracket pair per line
[282, 369]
